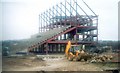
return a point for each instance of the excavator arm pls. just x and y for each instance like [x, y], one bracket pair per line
[67, 48]
[70, 56]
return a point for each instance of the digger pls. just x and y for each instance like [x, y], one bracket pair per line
[74, 52]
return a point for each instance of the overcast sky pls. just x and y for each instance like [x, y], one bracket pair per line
[20, 17]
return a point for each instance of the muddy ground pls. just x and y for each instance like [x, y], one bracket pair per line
[48, 63]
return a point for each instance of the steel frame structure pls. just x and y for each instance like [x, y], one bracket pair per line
[81, 29]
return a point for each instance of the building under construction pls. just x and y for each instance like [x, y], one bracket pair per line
[61, 23]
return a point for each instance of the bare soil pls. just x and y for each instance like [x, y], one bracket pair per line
[47, 64]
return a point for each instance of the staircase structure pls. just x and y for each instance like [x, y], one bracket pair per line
[62, 23]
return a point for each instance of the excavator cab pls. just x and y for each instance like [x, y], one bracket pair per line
[75, 48]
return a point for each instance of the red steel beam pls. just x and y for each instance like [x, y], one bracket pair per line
[73, 42]
[68, 30]
[93, 27]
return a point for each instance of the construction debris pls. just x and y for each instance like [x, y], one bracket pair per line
[102, 58]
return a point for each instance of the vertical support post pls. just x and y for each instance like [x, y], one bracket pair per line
[70, 12]
[97, 29]
[56, 48]
[42, 49]
[60, 48]
[76, 8]
[63, 48]
[60, 37]
[39, 24]
[46, 48]
[61, 17]
[62, 12]
[76, 35]
[28, 50]
[43, 22]
[53, 17]
[52, 48]
[76, 13]
[64, 36]
[76, 23]
[39, 49]
[46, 20]
[36, 49]
[70, 8]
[56, 17]
[65, 13]
[49, 19]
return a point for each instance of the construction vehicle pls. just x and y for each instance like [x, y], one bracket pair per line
[76, 52]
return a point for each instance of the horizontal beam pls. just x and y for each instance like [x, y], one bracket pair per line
[73, 42]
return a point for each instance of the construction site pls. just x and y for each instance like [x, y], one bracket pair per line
[60, 24]
[66, 34]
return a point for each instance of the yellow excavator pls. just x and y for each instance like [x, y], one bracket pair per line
[76, 52]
